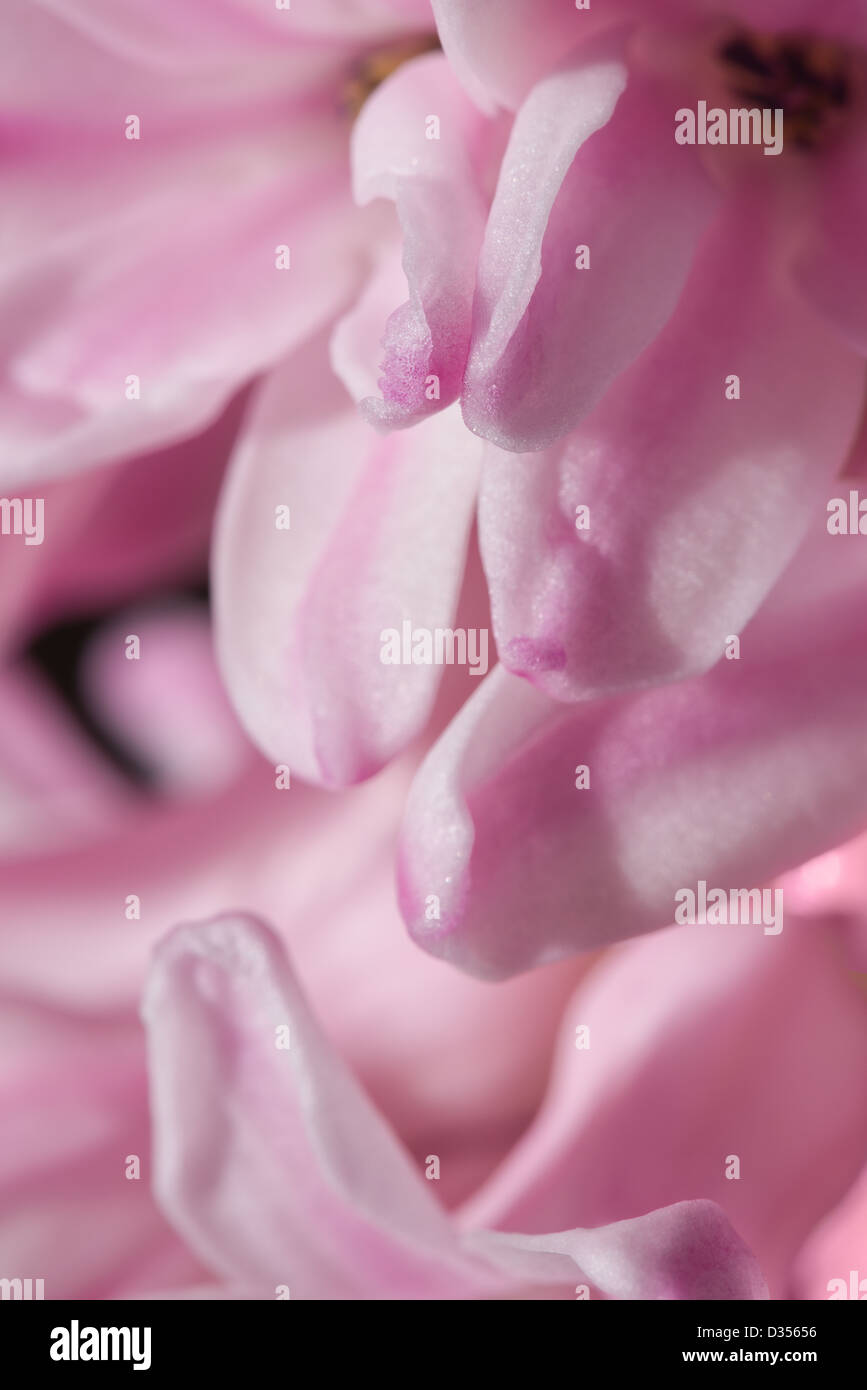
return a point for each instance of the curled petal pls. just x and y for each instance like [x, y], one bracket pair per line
[277, 1169]
[591, 170]
[328, 537]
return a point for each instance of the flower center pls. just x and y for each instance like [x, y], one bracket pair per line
[811, 80]
[375, 67]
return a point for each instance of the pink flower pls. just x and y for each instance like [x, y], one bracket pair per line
[150, 331]
[308, 1193]
[77, 842]
[660, 571]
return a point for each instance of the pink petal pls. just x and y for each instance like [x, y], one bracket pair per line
[704, 1043]
[117, 529]
[840, 19]
[378, 536]
[435, 183]
[833, 889]
[500, 48]
[270, 1161]
[103, 235]
[356, 343]
[74, 1100]
[856, 464]
[77, 858]
[832, 1263]
[588, 164]
[175, 33]
[731, 778]
[688, 528]
[169, 708]
[52, 792]
[686, 1251]
[277, 1169]
[830, 269]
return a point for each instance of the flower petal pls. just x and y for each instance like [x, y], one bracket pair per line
[435, 182]
[156, 258]
[591, 163]
[269, 1158]
[118, 529]
[276, 1168]
[830, 268]
[169, 710]
[500, 48]
[779, 1090]
[695, 502]
[685, 1251]
[844, 19]
[831, 1264]
[73, 1093]
[731, 778]
[378, 536]
[189, 33]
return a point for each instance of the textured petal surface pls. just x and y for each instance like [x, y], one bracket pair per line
[765, 1036]
[731, 778]
[831, 268]
[116, 530]
[378, 537]
[695, 502]
[500, 48]
[433, 174]
[589, 164]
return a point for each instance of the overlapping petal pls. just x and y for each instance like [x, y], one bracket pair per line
[843, 20]
[831, 1264]
[830, 268]
[241, 1076]
[420, 142]
[591, 163]
[766, 1037]
[632, 550]
[378, 537]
